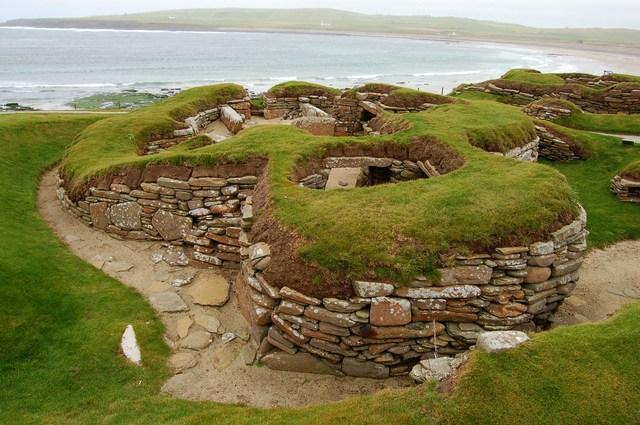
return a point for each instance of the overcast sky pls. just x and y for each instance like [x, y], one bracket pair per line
[543, 13]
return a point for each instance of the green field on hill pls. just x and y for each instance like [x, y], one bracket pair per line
[331, 20]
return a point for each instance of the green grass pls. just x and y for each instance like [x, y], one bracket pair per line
[400, 97]
[531, 76]
[410, 98]
[489, 200]
[609, 219]
[581, 120]
[607, 123]
[62, 320]
[122, 100]
[587, 374]
[257, 103]
[343, 21]
[302, 88]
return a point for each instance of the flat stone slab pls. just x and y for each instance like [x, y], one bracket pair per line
[183, 361]
[299, 362]
[353, 367]
[197, 340]
[168, 302]
[500, 341]
[126, 215]
[343, 178]
[212, 290]
[117, 266]
[171, 226]
[439, 369]
[225, 355]
[210, 323]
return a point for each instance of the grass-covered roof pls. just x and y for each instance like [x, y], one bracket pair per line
[394, 231]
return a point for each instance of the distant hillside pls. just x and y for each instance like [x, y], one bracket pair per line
[336, 21]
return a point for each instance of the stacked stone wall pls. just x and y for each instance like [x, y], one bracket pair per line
[182, 205]
[626, 190]
[528, 152]
[289, 107]
[546, 112]
[384, 330]
[613, 100]
[556, 147]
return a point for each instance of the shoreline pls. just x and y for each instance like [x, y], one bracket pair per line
[568, 46]
[579, 58]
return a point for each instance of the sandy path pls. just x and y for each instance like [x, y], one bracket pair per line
[609, 279]
[221, 373]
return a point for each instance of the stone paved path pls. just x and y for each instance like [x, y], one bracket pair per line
[208, 336]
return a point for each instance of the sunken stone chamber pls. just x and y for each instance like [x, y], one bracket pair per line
[367, 165]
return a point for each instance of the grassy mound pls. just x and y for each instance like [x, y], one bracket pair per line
[400, 97]
[397, 231]
[126, 135]
[531, 76]
[632, 171]
[410, 98]
[580, 120]
[62, 320]
[541, 84]
[382, 88]
[301, 88]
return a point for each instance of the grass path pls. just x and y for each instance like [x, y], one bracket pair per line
[62, 319]
[609, 219]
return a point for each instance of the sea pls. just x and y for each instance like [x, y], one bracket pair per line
[49, 68]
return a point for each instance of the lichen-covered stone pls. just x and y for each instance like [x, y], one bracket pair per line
[387, 311]
[171, 226]
[499, 341]
[126, 216]
[372, 289]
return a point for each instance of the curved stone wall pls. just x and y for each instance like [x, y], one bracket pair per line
[384, 330]
[207, 209]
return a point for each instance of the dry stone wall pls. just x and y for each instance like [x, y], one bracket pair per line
[381, 331]
[350, 115]
[619, 99]
[384, 330]
[626, 190]
[289, 107]
[555, 147]
[184, 206]
[528, 152]
[546, 112]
